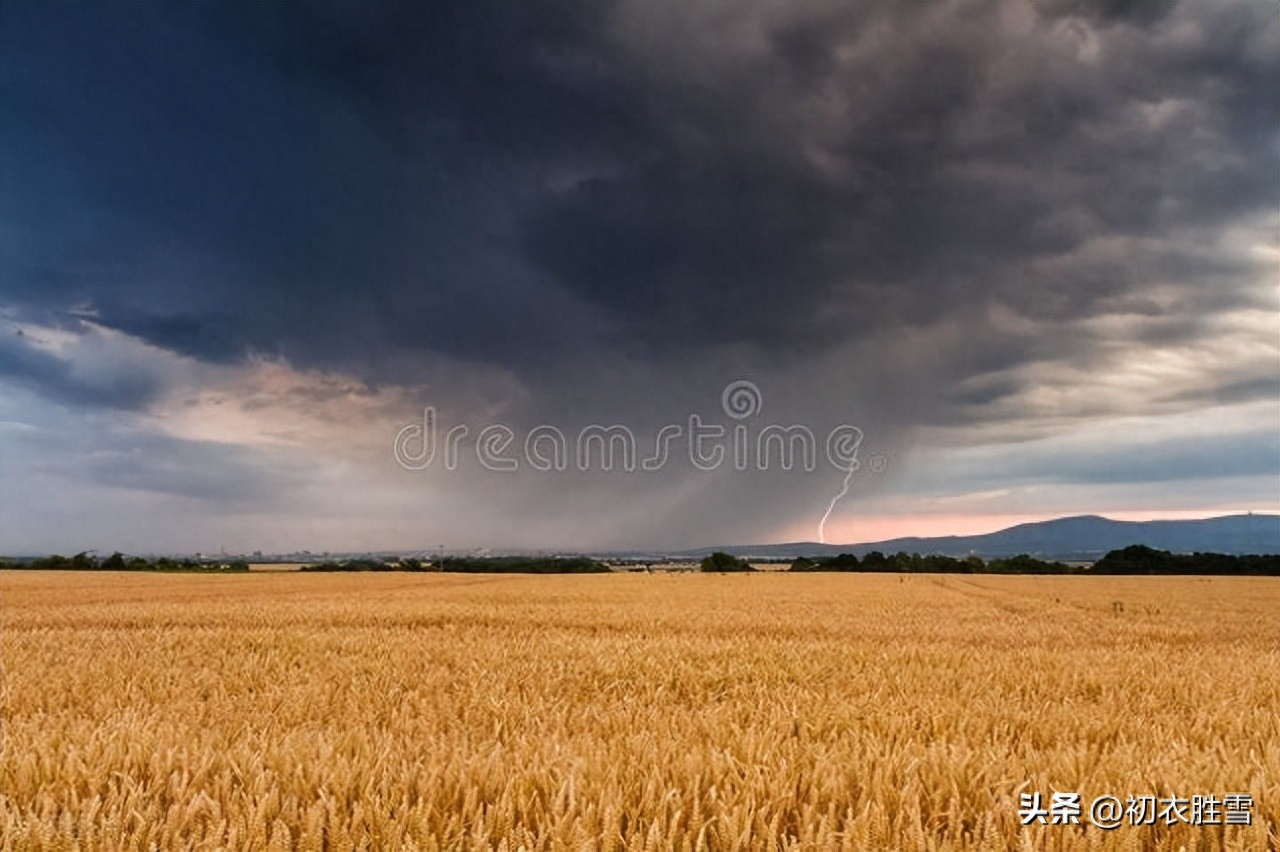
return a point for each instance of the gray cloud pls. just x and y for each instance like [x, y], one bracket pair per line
[226, 476]
[97, 378]
[847, 171]
[1178, 460]
[929, 215]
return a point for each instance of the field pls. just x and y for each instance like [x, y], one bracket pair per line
[338, 711]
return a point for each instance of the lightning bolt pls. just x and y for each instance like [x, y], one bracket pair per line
[844, 489]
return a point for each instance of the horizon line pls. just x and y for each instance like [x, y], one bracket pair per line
[656, 551]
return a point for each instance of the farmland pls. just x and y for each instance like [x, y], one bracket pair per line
[770, 710]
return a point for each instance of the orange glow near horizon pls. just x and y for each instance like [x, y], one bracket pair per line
[869, 528]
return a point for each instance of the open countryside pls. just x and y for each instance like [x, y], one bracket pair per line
[628, 711]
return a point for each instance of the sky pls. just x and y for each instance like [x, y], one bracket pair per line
[351, 276]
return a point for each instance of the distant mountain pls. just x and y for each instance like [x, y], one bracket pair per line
[1083, 537]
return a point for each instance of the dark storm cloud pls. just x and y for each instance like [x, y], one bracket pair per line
[276, 179]
[950, 165]
[210, 337]
[1109, 12]
[524, 184]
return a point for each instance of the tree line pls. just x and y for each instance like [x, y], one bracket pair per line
[86, 561]
[1135, 559]
[470, 565]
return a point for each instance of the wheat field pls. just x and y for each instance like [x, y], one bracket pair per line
[766, 711]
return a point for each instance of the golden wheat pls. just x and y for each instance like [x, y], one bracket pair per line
[289, 711]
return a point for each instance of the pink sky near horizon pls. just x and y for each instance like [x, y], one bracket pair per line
[872, 528]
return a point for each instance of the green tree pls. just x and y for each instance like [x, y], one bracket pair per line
[722, 562]
[876, 561]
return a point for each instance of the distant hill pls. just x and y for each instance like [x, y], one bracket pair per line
[1082, 537]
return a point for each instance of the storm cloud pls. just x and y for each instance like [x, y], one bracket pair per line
[962, 225]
